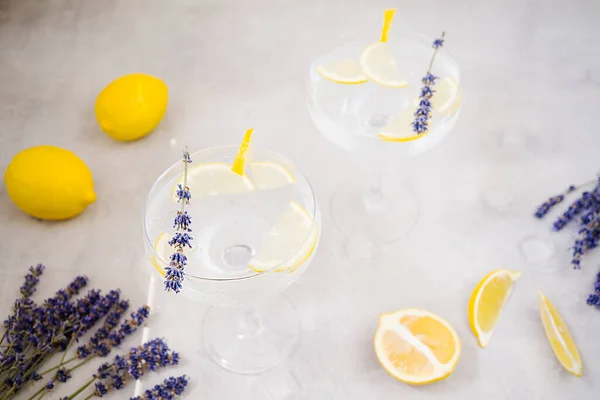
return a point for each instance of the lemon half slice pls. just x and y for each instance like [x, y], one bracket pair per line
[399, 128]
[288, 237]
[416, 346]
[270, 175]
[379, 65]
[445, 96]
[345, 71]
[212, 179]
[559, 337]
[487, 302]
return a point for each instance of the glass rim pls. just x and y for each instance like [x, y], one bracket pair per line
[246, 277]
[371, 133]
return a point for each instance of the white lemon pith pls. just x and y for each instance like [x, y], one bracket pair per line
[379, 65]
[559, 337]
[345, 71]
[487, 302]
[416, 346]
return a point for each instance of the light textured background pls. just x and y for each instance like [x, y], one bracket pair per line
[528, 128]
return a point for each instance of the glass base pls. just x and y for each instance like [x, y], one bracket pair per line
[380, 217]
[252, 340]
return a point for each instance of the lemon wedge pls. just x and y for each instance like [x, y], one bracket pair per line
[379, 65]
[213, 179]
[445, 96]
[270, 175]
[286, 244]
[399, 128]
[416, 346]
[345, 71]
[559, 337]
[487, 302]
[240, 158]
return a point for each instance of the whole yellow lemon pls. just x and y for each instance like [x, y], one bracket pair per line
[131, 106]
[48, 182]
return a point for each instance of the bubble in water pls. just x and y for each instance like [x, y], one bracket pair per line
[172, 142]
[535, 250]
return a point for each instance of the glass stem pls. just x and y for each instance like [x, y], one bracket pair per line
[374, 194]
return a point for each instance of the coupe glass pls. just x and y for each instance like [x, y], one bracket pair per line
[376, 204]
[248, 329]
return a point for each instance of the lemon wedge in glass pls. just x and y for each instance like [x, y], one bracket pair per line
[344, 71]
[290, 242]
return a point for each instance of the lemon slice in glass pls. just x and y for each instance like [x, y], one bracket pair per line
[345, 71]
[416, 346]
[445, 95]
[379, 65]
[213, 179]
[269, 175]
[286, 244]
[399, 128]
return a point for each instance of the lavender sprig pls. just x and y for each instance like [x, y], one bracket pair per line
[31, 280]
[114, 376]
[423, 114]
[175, 271]
[168, 390]
[594, 298]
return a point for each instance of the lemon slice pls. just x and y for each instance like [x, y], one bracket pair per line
[240, 158]
[487, 301]
[161, 247]
[399, 128]
[269, 175]
[287, 238]
[213, 179]
[445, 96]
[416, 346]
[559, 337]
[345, 71]
[379, 65]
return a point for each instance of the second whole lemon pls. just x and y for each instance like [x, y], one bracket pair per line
[131, 106]
[49, 182]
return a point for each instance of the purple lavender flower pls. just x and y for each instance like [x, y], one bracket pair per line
[168, 390]
[593, 300]
[183, 194]
[181, 240]
[31, 280]
[421, 122]
[63, 375]
[150, 356]
[584, 202]
[97, 345]
[182, 222]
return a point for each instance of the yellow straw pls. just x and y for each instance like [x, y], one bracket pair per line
[240, 158]
[388, 15]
